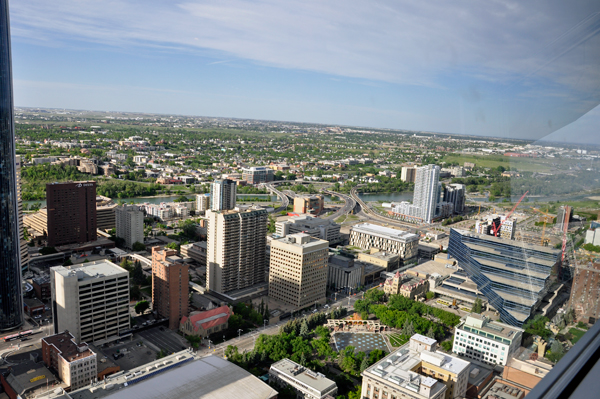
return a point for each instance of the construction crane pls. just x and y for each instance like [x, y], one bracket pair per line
[497, 229]
[545, 241]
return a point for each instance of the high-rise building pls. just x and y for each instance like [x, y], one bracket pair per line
[236, 249]
[222, 195]
[130, 224]
[22, 242]
[298, 270]
[408, 174]
[585, 292]
[71, 212]
[170, 292]
[513, 276]
[368, 236]
[11, 299]
[202, 202]
[427, 191]
[485, 340]
[455, 194]
[257, 174]
[76, 364]
[91, 300]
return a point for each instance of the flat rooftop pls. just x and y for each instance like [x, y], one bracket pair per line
[496, 240]
[69, 350]
[305, 376]
[181, 375]
[482, 323]
[91, 270]
[300, 240]
[432, 267]
[385, 232]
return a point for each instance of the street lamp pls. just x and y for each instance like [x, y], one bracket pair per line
[240, 333]
[209, 342]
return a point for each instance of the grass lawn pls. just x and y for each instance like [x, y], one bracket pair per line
[396, 340]
[577, 334]
[493, 161]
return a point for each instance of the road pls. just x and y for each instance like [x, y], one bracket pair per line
[349, 205]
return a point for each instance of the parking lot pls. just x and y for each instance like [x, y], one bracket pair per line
[135, 355]
[164, 339]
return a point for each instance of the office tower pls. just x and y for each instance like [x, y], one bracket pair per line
[71, 212]
[408, 174]
[427, 191]
[130, 224]
[367, 236]
[202, 202]
[105, 213]
[512, 275]
[90, 300]
[417, 370]
[257, 174]
[222, 195]
[11, 300]
[298, 270]
[170, 293]
[312, 204]
[76, 364]
[485, 340]
[585, 292]
[236, 249]
[455, 194]
[22, 242]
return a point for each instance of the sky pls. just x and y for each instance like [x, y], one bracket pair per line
[520, 69]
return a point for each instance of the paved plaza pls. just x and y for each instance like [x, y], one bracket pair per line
[363, 342]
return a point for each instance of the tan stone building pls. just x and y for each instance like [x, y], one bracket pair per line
[169, 286]
[298, 270]
[406, 285]
[75, 363]
[402, 243]
[313, 204]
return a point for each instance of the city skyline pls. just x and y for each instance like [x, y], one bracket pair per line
[511, 70]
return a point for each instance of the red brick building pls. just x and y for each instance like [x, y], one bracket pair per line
[585, 292]
[71, 212]
[169, 286]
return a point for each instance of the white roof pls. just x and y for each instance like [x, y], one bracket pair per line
[386, 232]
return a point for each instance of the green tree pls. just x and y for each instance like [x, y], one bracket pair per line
[138, 273]
[141, 307]
[304, 329]
[68, 262]
[477, 306]
[138, 246]
[364, 364]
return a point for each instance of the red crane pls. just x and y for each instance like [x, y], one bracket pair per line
[497, 229]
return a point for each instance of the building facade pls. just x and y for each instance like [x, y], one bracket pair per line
[11, 300]
[75, 363]
[485, 340]
[298, 270]
[71, 212]
[130, 224]
[416, 370]
[408, 174]
[306, 383]
[170, 291]
[513, 276]
[427, 191]
[407, 285]
[202, 202]
[202, 324]
[344, 273]
[91, 301]
[455, 194]
[22, 242]
[223, 195]
[236, 249]
[323, 229]
[585, 292]
[367, 236]
[312, 204]
[257, 174]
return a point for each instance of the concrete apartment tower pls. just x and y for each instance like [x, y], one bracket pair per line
[427, 191]
[222, 195]
[71, 212]
[170, 293]
[90, 300]
[130, 224]
[298, 270]
[236, 249]
[11, 299]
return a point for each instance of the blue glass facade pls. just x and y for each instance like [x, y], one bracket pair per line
[512, 275]
[11, 300]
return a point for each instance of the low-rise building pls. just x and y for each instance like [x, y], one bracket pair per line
[26, 380]
[344, 273]
[388, 260]
[202, 324]
[41, 287]
[75, 363]
[195, 251]
[407, 285]
[367, 236]
[312, 204]
[526, 368]
[417, 370]
[323, 229]
[307, 383]
[485, 340]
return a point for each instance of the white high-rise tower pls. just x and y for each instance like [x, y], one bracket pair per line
[222, 195]
[427, 191]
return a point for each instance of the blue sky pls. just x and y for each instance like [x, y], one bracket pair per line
[500, 68]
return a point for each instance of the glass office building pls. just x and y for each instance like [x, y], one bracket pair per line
[513, 276]
[11, 301]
